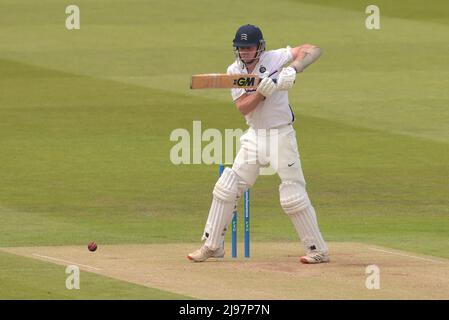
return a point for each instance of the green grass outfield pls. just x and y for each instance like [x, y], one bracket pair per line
[86, 117]
[24, 278]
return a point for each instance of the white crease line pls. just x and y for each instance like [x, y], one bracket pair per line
[65, 261]
[407, 255]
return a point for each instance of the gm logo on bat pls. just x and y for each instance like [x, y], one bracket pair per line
[245, 82]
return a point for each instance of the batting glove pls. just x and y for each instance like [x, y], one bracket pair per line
[286, 78]
[266, 87]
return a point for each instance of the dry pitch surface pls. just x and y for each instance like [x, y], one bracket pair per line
[273, 271]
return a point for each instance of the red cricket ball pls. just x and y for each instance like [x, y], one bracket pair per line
[92, 246]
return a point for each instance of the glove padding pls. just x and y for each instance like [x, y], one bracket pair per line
[286, 78]
[266, 87]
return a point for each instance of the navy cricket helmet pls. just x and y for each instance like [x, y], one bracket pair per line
[249, 36]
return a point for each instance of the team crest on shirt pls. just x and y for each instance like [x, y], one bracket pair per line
[262, 69]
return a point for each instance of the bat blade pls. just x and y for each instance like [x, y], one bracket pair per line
[223, 81]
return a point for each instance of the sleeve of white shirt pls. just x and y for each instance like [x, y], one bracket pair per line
[235, 92]
[282, 57]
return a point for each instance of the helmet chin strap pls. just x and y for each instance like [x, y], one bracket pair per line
[255, 59]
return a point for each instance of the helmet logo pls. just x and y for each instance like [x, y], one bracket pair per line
[244, 36]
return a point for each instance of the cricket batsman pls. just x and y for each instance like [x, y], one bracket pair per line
[267, 112]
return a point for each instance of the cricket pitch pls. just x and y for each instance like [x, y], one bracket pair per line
[273, 271]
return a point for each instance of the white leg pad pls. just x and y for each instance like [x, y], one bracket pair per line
[293, 197]
[296, 204]
[242, 186]
[223, 204]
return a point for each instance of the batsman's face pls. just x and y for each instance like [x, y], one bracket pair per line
[247, 53]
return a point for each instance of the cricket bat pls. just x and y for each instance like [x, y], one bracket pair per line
[223, 80]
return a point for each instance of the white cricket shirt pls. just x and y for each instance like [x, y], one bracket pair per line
[275, 110]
